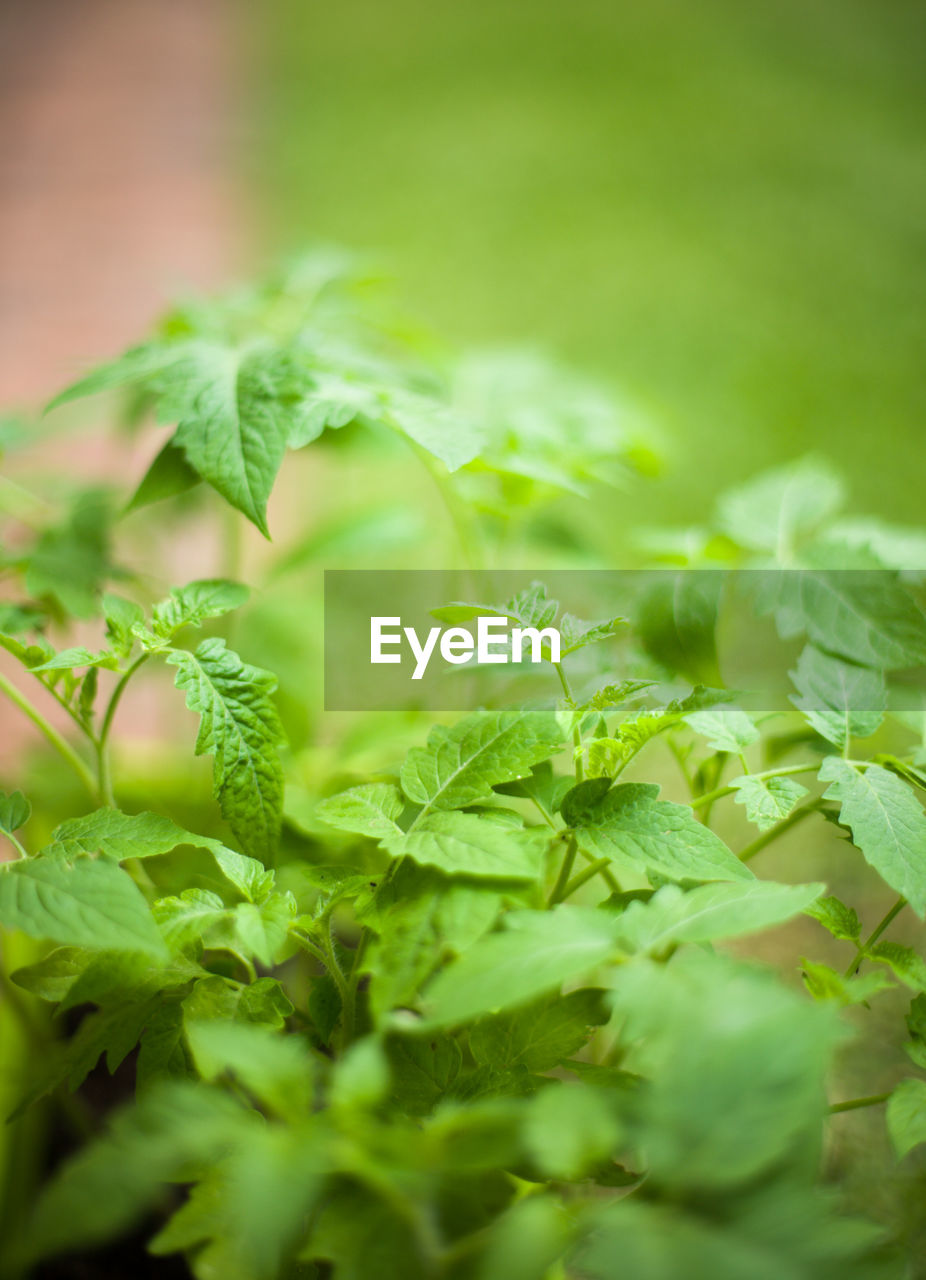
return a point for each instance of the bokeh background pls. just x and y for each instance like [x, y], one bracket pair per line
[720, 207]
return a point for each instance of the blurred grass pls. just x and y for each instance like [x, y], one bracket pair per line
[720, 206]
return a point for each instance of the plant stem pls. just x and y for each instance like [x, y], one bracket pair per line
[710, 796]
[565, 871]
[777, 830]
[855, 1104]
[16, 845]
[875, 935]
[577, 732]
[104, 776]
[64, 748]
[583, 876]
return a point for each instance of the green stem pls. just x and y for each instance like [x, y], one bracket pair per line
[465, 528]
[565, 871]
[710, 796]
[577, 732]
[582, 877]
[855, 1104]
[766, 838]
[104, 775]
[64, 748]
[16, 845]
[875, 934]
[605, 872]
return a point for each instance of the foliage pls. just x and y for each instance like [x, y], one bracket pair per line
[462, 1008]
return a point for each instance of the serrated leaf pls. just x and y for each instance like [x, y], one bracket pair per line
[470, 845]
[422, 920]
[368, 810]
[726, 729]
[840, 700]
[825, 983]
[189, 917]
[536, 953]
[233, 409]
[865, 616]
[541, 1035]
[275, 1068]
[52, 977]
[887, 823]
[906, 1116]
[121, 617]
[767, 800]
[710, 912]
[240, 727]
[148, 835]
[460, 765]
[629, 824]
[191, 605]
[841, 921]
[84, 904]
[906, 963]
[422, 1070]
[262, 929]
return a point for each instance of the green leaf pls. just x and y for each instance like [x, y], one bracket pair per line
[767, 800]
[15, 811]
[244, 1220]
[787, 1230]
[470, 845]
[368, 810]
[52, 977]
[185, 919]
[169, 475]
[536, 954]
[541, 1035]
[361, 1076]
[841, 921]
[274, 1068]
[70, 562]
[149, 835]
[728, 1051]
[825, 983]
[840, 700]
[191, 605]
[865, 616]
[906, 1116]
[422, 1071]
[460, 765]
[122, 616]
[569, 1129]
[422, 919]
[629, 824]
[233, 409]
[677, 622]
[240, 727]
[906, 963]
[452, 437]
[637, 730]
[263, 929]
[710, 912]
[887, 824]
[109, 1184]
[726, 729]
[83, 904]
[781, 508]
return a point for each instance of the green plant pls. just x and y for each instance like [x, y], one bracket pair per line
[453, 1010]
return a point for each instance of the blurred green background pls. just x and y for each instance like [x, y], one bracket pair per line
[719, 206]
